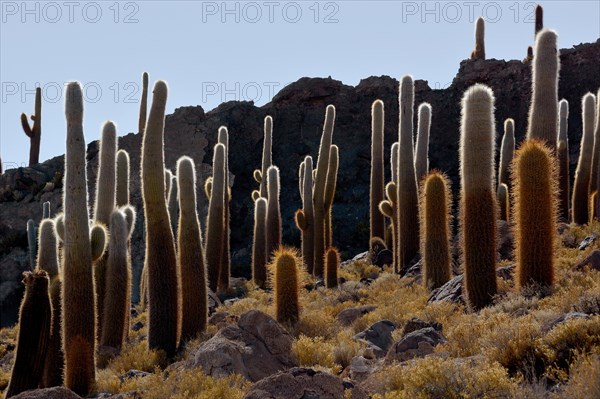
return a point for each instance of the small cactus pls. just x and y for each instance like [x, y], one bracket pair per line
[143, 104]
[332, 261]
[259, 243]
[581, 186]
[35, 319]
[422, 145]
[215, 226]
[34, 132]
[225, 267]
[436, 203]
[267, 159]
[503, 201]
[31, 243]
[122, 196]
[479, 52]
[534, 175]
[273, 223]
[332, 171]
[286, 280]
[507, 150]
[562, 153]
[46, 210]
[377, 224]
[173, 204]
[539, 19]
[305, 217]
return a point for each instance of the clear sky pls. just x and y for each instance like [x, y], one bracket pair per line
[215, 51]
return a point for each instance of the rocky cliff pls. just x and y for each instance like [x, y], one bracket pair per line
[298, 113]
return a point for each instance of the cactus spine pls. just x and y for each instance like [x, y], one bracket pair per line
[48, 261]
[408, 207]
[118, 283]
[190, 257]
[285, 278]
[422, 145]
[215, 226]
[81, 248]
[503, 201]
[377, 183]
[332, 171]
[543, 112]
[305, 216]
[34, 334]
[143, 104]
[34, 132]
[31, 242]
[562, 153]
[225, 267]
[273, 225]
[478, 207]
[507, 151]
[103, 207]
[479, 52]
[160, 260]
[596, 157]
[259, 244]
[436, 203]
[332, 261]
[581, 186]
[535, 213]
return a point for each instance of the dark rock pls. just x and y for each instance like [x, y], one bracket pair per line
[587, 241]
[418, 343]
[383, 257]
[451, 291]
[48, 393]
[133, 374]
[592, 260]
[415, 324]
[349, 316]
[378, 336]
[505, 240]
[567, 317]
[303, 383]
[507, 272]
[361, 368]
[137, 326]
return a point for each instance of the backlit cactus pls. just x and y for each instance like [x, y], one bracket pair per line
[543, 111]
[225, 267]
[143, 104]
[539, 18]
[596, 153]
[534, 176]
[422, 144]
[163, 300]
[388, 208]
[31, 243]
[286, 280]
[407, 216]
[122, 195]
[503, 201]
[190, 256]
[34, 132]
[332, 261]
[562, 154]
[332, 171]
[273, 223]
[259, 243]
[35, 319]
[507, 150]
[46, 210]
[436, 203]
[173, 204]
[215, 223]
[377, 187]
[479, 52]
[581, 186]
[267, 157]
[305, 217]
[478, 206]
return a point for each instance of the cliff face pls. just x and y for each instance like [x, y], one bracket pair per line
[298, 112]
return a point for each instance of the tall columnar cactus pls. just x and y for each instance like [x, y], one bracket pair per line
[122, 196]
[103, 207]
[34, 334]
[173, 204]
[479, 52]
[377, 183]
[332, 261]
[596, 157]
[273, 224]
[34, 132]
[422, 144]
[225, 268]
[389, 208]
[215, 224]
[539, 19]
[562, 153]
[190, 257]
[507, 151]
[267, 160]
[164, 314]
[393, 228]
[286, 280]
[534, 175]
[581, 186]
[48, 261]
[168, 184]
[503, 201]
[143, 104]
[82, 246]
[407, 216]
[543, 111]
[46, 210]
[118, 283]
[435, 214]
[478, 207]
[332, 171]
[259, 243]
[31, 242]
[320, 189]
[305, 217]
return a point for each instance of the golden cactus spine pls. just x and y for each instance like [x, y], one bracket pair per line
[435, 214]
[320, 188]
[305, 217]
[286, 280]
[35, 319]
[225, 267]
[332, 171]
[503, 201]
[562, 154]
[259, 243]
[377, 188]
[581, 186]
[190, 256]
[535, 213]
[407, 217]
[332, 261]
[478, 207]
[543, 111]
[507, 150]
[215, 224]
[422, 144]
[164, 313]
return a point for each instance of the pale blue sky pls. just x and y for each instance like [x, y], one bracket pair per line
[211, 51]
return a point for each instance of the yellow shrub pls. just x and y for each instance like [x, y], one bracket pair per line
[315, 352]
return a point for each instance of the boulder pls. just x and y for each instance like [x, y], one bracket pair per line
[418, 343]
[348, 316]
[415, 324]
[592, 260]
[378, 337]
[48, 393]
[451, 291]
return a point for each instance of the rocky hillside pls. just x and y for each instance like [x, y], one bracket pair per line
[298, 112]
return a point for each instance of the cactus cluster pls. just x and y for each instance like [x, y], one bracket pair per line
[581, 187]
[562, 154]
